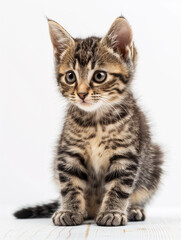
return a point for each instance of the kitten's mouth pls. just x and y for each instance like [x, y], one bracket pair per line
[85, 103]
[89, 105]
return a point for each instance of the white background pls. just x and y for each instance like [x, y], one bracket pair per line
[32, 110]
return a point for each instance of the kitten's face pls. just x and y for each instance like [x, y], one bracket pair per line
[93, 73]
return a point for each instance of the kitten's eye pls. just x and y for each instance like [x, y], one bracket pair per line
[99, 76]
[70, 77]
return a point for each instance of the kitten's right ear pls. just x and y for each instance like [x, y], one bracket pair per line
[60, 38]
[120, 38]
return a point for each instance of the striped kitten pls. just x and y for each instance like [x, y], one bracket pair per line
[106, 166]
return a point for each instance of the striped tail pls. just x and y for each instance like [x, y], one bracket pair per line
[40, 211]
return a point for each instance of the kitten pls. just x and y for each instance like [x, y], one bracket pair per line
[106, 166]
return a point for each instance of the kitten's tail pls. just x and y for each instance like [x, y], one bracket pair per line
[40, 211]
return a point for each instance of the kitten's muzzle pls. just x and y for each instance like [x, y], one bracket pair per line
[82, 95]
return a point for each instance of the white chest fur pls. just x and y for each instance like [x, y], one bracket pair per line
[99, 156]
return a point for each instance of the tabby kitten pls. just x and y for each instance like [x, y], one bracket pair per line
[106, 166]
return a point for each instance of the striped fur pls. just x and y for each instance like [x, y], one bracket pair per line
[106, 165]
[40, 211]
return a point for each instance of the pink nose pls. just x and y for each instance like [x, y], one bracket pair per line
[82, 95]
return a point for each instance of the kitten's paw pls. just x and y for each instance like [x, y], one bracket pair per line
[65, 218]
[136, 214]
[111, 219]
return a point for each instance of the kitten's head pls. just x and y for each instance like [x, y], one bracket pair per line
[94, 72]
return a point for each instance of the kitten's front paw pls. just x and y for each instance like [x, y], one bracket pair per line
[65, 218]
[111, 219]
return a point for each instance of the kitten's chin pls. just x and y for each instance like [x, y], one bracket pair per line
[89, 107]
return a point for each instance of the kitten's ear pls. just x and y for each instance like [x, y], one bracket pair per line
[119, 38]
[60, 38]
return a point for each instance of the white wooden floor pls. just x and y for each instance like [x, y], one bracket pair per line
[166, 226]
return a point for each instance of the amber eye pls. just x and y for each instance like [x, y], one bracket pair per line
[70, 77]
[99, 76]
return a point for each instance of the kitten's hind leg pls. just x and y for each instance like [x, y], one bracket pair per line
[138, 200]
[136, 213]
[136, 205]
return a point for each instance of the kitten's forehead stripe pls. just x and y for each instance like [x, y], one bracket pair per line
[86, 50]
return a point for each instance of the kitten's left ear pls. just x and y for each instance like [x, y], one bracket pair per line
[120, 38]
[60, 38]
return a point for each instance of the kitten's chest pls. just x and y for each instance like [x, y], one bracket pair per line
[99, 150]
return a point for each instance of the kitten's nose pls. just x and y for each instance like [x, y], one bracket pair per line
[82, 95]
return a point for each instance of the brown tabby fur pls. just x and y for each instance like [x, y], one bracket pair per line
[106, 166]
